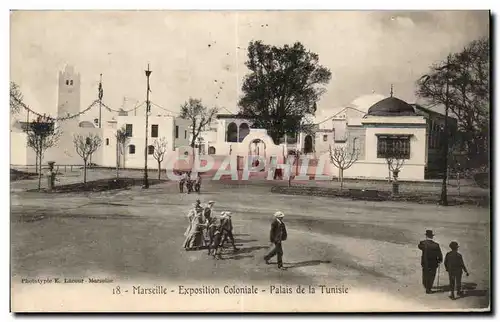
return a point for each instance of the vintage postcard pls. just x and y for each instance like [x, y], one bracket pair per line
[250, 161]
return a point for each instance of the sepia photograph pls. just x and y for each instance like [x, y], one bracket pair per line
[250, 161]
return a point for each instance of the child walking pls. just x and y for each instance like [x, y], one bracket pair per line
[454, 264]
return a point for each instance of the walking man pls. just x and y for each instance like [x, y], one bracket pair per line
[277, 236]
[454, 264]
[181, 182]
[226, 229]
[430, 260]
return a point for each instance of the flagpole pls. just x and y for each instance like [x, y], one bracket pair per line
[146, 182]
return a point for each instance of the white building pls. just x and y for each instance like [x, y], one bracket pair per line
[387, 125]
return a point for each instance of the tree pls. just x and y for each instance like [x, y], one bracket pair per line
[467, 77]
[200, 117]
[160, 148]
[16, 98]
[282, 88]
[85, 146]
[42, 134]
[343, 158]
[121, 144]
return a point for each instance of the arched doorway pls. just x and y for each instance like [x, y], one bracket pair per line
[257, 147]
[244, 130]
[308, 144]
[232, 132]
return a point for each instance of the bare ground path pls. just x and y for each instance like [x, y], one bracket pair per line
[136, 234]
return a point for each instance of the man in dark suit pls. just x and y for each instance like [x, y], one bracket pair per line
[226, 229]
[430, 260]
[277, 236]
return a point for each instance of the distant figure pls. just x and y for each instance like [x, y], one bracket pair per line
[454, 264]
[197, 184]
[182, 181]
[226, 228]
[189, 183]
[277, 236]
[430, 260]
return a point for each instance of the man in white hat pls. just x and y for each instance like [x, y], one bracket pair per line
[277, 236]
[226, 229]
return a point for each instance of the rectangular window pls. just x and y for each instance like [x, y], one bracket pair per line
[154, 130]
[185, 134]
[393, 146]
[325, 137]
[177, 131]
[128, 130]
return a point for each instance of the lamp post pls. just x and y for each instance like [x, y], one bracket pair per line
[146, 183]
[444, 192]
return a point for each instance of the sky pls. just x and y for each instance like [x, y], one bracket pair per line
[201, 54]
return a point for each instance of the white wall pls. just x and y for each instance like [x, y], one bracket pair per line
[322, 146]
[376, 168]
[18, 148]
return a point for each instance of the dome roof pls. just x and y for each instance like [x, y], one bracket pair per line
[365, 101]
[391, 106]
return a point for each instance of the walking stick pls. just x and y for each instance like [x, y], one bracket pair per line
[439, 266]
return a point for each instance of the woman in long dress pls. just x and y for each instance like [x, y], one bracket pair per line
[194, 238]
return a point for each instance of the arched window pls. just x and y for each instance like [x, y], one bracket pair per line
[354, 143]
[232, 132]
[107, 141]
[244, 130]
[211, 150]
[151, 149]
[131, 149]
[71, 82]
[67, 82]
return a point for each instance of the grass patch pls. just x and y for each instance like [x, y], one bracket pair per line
[102, 185]
[16, 175]
[377, 195]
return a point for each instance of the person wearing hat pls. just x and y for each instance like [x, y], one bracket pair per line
[226, 229]
[191, 214]
[182, 181]
[430, 260]
[207, 212]
[215, 238]
[454, 264]
[278, 234]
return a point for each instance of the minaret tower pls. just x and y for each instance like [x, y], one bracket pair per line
[68, 100]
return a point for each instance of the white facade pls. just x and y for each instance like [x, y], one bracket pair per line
[173, 129]
[371, 166]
